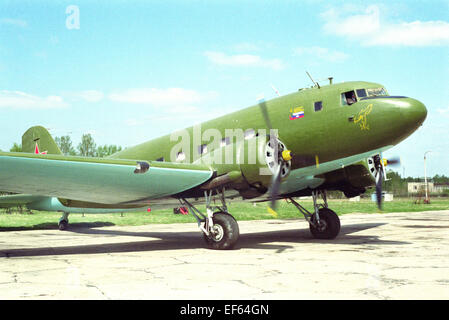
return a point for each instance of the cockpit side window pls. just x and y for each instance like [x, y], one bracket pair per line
[348, 98]
[361, 93]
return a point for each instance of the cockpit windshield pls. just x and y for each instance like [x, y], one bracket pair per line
[376, 92]
[350, 97]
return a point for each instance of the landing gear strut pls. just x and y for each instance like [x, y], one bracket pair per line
[220, 229]
[323, 223]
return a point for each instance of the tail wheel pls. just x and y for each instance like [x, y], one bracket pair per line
[224, 232]
[329, 226]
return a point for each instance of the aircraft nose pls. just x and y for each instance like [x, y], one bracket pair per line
[401, 117]
[414, 112]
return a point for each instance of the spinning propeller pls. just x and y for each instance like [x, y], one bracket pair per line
[380, 165]
[281, 157]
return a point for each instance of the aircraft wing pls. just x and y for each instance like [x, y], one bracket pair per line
[100, 180]
[15, 200]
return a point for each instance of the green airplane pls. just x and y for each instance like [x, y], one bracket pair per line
[327, 137]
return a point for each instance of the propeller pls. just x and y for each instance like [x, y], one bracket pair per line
[280, 157]
[381, 174]
[379, 181]
[393, 161]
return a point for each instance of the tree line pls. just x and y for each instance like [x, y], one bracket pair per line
[399, 185]
[86, 148]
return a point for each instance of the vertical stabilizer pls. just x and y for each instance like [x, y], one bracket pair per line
[38, 140]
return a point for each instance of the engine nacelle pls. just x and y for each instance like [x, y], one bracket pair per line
[354, 179]
[261, 152]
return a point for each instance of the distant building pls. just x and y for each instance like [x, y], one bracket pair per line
[440, 187]
[416, 187]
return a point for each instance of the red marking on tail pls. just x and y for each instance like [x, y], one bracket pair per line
[36, 150]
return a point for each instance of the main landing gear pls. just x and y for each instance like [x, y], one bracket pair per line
[64, 221]
[220, 229]
[324, 223]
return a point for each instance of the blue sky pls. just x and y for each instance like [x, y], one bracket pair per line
[130, 71]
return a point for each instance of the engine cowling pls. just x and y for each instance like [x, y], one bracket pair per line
[373, 165]
[267, 162]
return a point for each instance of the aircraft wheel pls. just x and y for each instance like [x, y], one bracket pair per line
[63, 224]
[329, 226]
[225, 232]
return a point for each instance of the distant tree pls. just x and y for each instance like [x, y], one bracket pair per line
[87, 146]
[107, 150]
[65, 145]
[395, 183]
[16, 148]
[440, 179]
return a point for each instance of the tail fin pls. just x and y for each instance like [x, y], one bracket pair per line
[38, 140]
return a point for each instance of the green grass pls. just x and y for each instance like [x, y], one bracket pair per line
[240, 210]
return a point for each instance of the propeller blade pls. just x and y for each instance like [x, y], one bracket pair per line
[393, 161]
[275, 183]
[263, 108]
[379, 180]
[272, 212]
[273, 140]
[276, 179]
[266, 117]
[278, 159]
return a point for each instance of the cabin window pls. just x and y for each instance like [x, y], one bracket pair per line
[161, 159]
[202, 149]
[181, 156]
[318, 105]
[250, 133]
[348, 98]
[225, 141]
[361, 93]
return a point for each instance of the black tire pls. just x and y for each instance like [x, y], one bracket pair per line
[63, 224]
[227, 232]
[330, 225]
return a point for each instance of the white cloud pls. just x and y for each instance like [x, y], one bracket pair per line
[88, 95]
[243, 60]
[22, 100]
[417, 33]
[355, 25]
[14, 22]
[171, 97]
[321, 53]
[370, 30]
